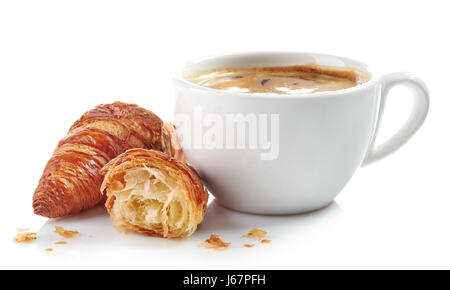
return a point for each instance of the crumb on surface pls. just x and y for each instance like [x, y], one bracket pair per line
[61, 243]
[49, 250]
[249, 245]
[256, 233]
[21, 229]
[25, 237]
[215, 242]
[65, 233]
[266, 241]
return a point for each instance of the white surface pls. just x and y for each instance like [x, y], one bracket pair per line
[59, 59]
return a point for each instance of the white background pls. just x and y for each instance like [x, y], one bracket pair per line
[61, 58]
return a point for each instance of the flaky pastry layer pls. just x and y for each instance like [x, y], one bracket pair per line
[154, 194]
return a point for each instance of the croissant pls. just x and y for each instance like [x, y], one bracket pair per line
[71, 180]
[154, 194]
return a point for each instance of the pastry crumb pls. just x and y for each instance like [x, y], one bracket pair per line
[266, 241]
[49, 250]
[25, 237]
[21, 229]
[256, 233]
[249, 245]
[65, 233]
[61, 243]
[215, 242]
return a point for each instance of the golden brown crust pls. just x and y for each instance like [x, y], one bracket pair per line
[25, 237]
[175, 148]
[187, 180]
[65, 233]
[215, 242]
[71, 180]
[256, 234]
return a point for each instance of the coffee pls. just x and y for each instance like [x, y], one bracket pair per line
[298, 79]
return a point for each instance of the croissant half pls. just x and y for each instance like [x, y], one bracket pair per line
[154, 194]
[71, 180]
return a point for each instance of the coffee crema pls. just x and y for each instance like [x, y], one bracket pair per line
[293, 80]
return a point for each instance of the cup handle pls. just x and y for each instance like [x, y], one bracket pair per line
[416, 118]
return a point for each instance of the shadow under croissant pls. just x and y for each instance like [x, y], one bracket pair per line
[88, 223]
[95, 230]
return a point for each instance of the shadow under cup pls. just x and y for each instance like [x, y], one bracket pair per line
[274, 154]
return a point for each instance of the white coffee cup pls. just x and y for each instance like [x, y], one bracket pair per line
[315, 144]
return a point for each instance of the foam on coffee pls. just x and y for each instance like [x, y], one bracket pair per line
[298, 79]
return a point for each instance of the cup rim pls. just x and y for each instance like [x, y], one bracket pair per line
[180, 78]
